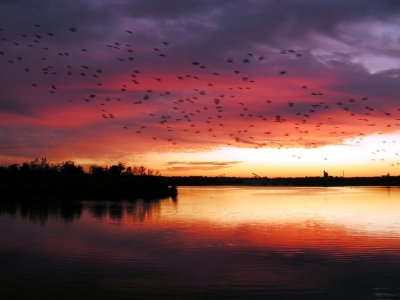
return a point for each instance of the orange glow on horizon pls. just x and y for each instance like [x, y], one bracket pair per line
[186, 110]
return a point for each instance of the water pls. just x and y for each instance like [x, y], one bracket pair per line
[211, 243]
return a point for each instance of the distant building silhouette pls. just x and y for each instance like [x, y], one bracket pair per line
[326, 175]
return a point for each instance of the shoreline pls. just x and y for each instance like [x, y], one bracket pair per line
[284, 181]
[86, 187]
[115, 188]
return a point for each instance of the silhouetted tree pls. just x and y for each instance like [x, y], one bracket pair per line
[142, 171]
[139, 171]
[25, 169]
[128, 171]
[42, 166]
[38, 166]
[151, 172]
[13, 169]
[69, 168]
[3, 170]
[98, 170]
[116, 170]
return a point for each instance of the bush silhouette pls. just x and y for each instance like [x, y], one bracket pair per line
[40, 179]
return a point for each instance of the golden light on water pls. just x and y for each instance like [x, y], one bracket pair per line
[369, 210]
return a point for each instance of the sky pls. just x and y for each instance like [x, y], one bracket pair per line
[214, 88]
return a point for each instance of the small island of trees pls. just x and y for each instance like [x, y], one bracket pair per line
[40, 179]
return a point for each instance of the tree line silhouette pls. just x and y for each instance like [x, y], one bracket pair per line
[40, 179]
[44, 167]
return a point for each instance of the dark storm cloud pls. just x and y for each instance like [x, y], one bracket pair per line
[224, 22]
[291, 13]
[381, 85]
[171, 10]
[199, 25]
[92, 20]
[342, 45]
[266, 16]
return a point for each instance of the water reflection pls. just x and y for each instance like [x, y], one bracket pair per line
[41, 211]
[138, 210]
[68, 211]
[214, 243]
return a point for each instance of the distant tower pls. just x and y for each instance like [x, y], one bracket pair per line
[325, 174]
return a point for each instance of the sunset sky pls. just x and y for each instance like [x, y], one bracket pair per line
[232, 88]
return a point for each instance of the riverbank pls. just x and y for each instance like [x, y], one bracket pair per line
[85, 186]
[287, 181]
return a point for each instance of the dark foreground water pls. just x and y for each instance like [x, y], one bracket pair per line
[211, 243]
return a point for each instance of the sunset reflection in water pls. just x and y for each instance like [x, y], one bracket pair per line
[211, 243]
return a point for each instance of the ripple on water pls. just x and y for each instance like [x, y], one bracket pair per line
[243, 243]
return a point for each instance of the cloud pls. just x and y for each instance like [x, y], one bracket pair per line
[116, 81]
[198, 168]
[198, 165]
[203, 163]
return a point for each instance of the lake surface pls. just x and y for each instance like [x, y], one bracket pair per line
[209, 243]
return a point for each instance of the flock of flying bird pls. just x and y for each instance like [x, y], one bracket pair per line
[214, 102]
